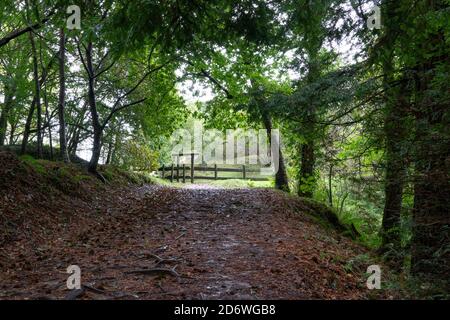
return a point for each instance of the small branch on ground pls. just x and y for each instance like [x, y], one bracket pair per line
[181, 235]
[162, 260]
[155, 271]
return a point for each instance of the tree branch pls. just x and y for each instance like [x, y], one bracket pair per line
[113, 111]
[17, 33]
[81, 57]
[207, 75]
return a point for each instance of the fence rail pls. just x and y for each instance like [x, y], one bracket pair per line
[185, 172]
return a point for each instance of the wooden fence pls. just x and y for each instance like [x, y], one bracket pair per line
[181, 173]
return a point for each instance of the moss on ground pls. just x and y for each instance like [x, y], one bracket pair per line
[37, 165]
[74, 179]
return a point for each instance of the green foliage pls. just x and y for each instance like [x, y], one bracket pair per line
[118, 176]
[134, 156]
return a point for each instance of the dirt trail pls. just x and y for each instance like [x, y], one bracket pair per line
[223, 243]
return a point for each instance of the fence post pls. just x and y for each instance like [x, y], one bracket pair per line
[178, 169]
[192, 167]
[215, 171]
[243, 171]
[163, 171]
[171, 173]
[184, 173]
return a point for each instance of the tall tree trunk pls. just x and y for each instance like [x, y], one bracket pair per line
[13, 125]
[330, 186]
[29, 120]
[26, 131]
[47, 119]
[76, 132]
[115, 148]
[73, 145]
[109, 154]
[98, 130]
[281, 180]
[37, 96]
[307, 176]
[7, 105]
[62, 98]
[431, 212]
[396, 133]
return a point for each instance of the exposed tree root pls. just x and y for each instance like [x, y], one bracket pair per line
[74, 294]
[155, 271]
[162, 260]
[77, 293]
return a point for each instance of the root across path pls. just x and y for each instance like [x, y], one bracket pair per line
[154, 242]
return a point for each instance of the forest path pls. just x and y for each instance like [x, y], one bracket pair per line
[224, 243]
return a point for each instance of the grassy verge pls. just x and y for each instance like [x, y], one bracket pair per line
[229, 183]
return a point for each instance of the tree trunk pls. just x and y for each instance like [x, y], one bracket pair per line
[62, 97]
[110, 149]
[98, 130]
[7, 105]
[29, 120]
[307, 176]
[115, 148]
[26, 132]
[396, 132]
[37, 96]
[75, 132]
[73, 145]
[96, 150]
[431, 212]
[47, 118]
[13, 125]
[281, 180]
[330, 186]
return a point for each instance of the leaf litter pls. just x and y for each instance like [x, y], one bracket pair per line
[155, 242]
